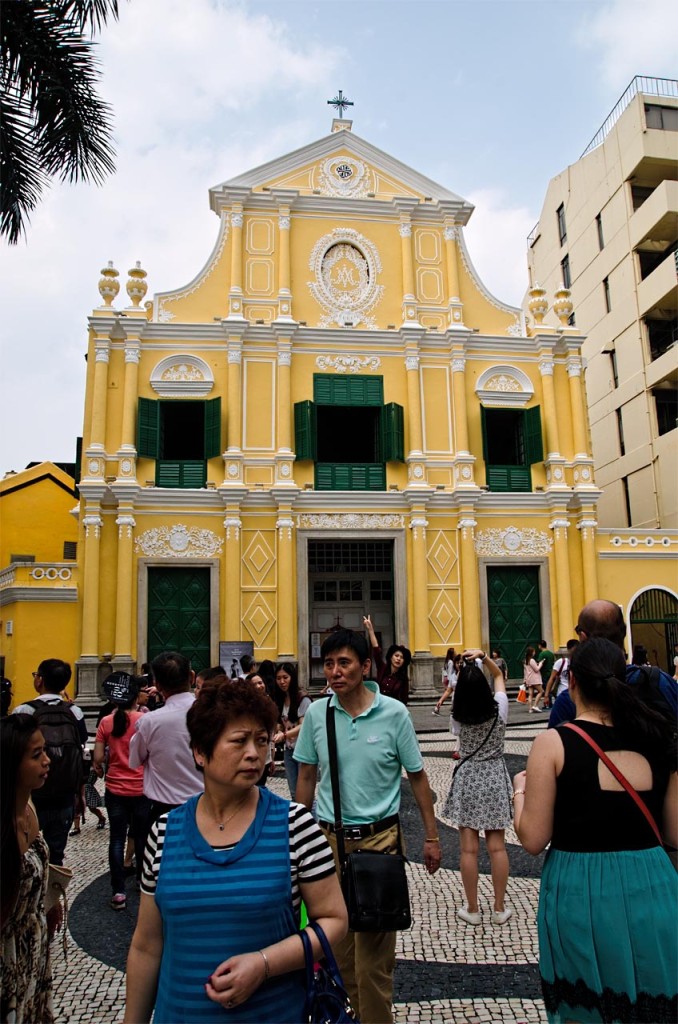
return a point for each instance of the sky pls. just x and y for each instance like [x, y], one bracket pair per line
[490, 98]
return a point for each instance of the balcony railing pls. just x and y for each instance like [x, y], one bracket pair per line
[650, 86]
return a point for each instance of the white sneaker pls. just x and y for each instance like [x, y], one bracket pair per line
[501, 916]
[470, 917]
[436, 711]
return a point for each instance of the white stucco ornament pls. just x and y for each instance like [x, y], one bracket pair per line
[344, 176]
[512, 541]
[350, 521]
[348, 364]
[178, 542]
[345, 265]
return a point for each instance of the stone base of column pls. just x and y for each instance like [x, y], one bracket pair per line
[423, 676]
[90, 672]
[123, 663]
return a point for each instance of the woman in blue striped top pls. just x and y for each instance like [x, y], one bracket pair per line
[217, 934]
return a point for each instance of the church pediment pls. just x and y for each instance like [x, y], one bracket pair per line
[342, 165]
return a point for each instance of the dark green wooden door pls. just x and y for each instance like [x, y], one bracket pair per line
[179, 614]
[514, 613]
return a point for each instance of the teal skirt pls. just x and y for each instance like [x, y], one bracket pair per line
[608, 941]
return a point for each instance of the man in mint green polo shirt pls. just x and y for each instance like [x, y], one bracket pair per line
[375, 741]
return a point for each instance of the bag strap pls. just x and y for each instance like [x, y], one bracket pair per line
[621, 779]
[336, 796]
[334, 777]
[478, 748]
[309, 960]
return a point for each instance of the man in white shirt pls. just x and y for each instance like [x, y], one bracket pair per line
[161, 741]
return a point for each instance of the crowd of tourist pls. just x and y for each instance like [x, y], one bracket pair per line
[222, 861]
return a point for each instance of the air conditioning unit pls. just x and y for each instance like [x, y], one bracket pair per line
[9, 627]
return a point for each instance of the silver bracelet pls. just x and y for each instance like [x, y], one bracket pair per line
[267, 966]
[519, 792]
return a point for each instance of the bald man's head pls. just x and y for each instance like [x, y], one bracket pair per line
[601, 619]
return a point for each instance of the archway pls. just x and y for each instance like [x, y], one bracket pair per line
[653, 620]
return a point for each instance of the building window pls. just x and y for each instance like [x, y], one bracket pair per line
[606, 293]
[661, 335]
[512, 443]
[666, 404]
[565, 271]
[620, 431]
[614, 367]
[599, 229]
[22, 558]
[639, 193]
[664, 118]
[70, 550]
[627, 500]
[650, 259]
[349, 433]
[181, 436]
[562, 228]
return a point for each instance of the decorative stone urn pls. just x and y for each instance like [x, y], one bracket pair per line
[538, 304]
[136, 285]
[562, 304]
[108, 285]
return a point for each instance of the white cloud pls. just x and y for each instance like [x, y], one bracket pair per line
[187, 84]
[629, 38]
[496, 237]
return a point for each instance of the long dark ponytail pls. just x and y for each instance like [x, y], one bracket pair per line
[121, 719]
[599, 670]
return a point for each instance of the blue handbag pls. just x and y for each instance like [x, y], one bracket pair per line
[327, 1001]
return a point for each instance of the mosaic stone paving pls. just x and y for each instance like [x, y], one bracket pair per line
[445, 971]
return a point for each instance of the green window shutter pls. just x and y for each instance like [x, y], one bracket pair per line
[338, 389]
[483, 424]
[212, 428]
[148, 429]
[376, 478]
[167, 474]
[324, 479]
[322, 389]
[193, 473]
[393, 432]
[305, 430]
[374, 391]
[532, 436]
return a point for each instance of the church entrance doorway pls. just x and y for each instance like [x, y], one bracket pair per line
[514, 613]
[179, 613]
[347, 580]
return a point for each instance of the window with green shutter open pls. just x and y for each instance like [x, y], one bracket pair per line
[181, 436]
[512, 443]
[349, 433]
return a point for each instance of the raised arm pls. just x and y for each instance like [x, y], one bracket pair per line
[367, 623]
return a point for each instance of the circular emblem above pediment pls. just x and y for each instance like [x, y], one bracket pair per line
[344, 176]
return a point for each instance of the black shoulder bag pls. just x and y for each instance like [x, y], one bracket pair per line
[374, 883]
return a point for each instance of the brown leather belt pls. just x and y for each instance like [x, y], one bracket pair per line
[362, 831]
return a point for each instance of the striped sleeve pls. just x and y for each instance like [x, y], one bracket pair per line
[310, 854]
[153, 855]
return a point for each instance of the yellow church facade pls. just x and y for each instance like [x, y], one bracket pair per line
[335, 417]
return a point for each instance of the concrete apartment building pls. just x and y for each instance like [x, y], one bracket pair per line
[608, 231]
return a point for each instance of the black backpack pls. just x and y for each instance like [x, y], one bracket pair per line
[58, 725]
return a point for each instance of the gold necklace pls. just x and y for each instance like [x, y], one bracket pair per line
[222, 824]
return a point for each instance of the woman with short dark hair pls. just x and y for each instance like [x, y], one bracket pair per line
[226, 872]
[608, 944]
[393, 671]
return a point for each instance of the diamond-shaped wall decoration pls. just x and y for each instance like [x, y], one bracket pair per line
[259, 618]
[258, 557]
[442, 556]
[445, 617]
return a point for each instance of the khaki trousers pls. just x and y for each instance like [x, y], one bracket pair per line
[367, 959]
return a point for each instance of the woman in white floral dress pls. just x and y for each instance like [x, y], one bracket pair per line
[480, 794]
[26, 972]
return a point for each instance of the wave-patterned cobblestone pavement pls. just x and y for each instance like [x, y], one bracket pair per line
[445, 970]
